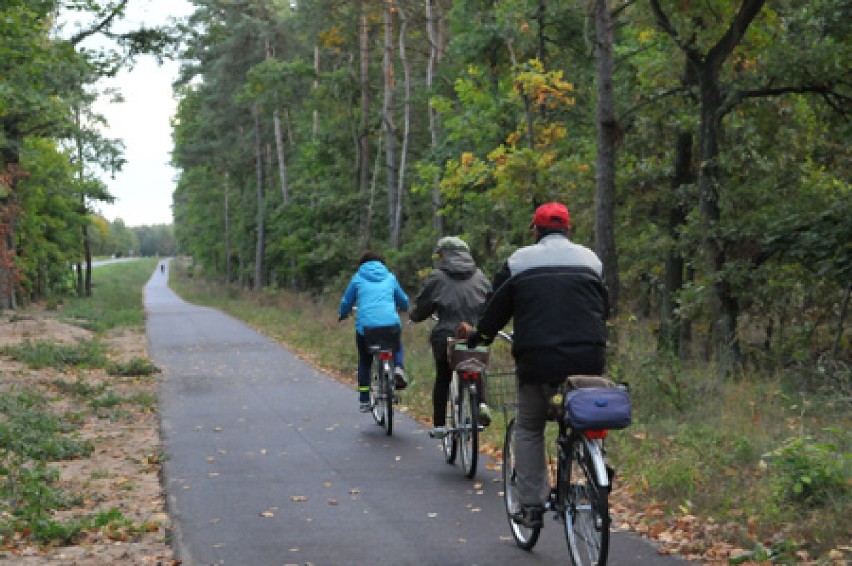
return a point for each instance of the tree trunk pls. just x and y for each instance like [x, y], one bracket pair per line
[724, 308]
[227, 203]
[282, 159]
[261, 235]
[607, 136]
[434, 54]
[363, 130]
[390, 128]
[670, 323]
[403, 154]
[315, 129]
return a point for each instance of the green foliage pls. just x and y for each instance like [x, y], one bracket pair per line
[30, 432]
[810, 471]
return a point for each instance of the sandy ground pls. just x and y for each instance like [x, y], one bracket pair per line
[123, 471]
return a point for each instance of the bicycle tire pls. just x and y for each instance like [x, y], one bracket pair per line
[376, 405]
[469, 429]
[584, 507]
[450, 442]
[524, 537]
[390, 392]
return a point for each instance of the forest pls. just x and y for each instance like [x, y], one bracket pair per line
[701, 148]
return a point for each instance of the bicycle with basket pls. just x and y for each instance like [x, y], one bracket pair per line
[583, 411]
[467, 391]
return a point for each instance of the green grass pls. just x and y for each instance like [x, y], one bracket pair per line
[764, 455]
[116, 297]
[42, 354]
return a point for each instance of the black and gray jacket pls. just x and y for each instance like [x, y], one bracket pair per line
[555, 292]
[455, 291]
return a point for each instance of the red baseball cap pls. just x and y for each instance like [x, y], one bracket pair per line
[552, 215]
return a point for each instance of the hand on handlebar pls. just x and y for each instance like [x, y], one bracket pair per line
[475, 338]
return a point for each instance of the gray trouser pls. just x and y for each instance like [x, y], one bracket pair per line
[529, 441]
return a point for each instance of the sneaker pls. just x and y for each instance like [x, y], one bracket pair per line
[484, 415]
[438, 432]
[530, 516]
[364, 406]
[399, 379]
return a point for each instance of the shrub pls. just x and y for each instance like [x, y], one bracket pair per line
[808, 471]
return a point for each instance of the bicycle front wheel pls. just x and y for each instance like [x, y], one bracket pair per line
[469, 429]
[584, 506]
[450, 440]
[524, 537]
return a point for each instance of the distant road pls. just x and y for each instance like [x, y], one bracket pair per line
[115, 260]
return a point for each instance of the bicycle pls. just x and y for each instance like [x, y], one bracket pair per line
[580, 486]
[382, 341]
[466, 394]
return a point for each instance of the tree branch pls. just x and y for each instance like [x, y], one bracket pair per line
[99, 27]
[749, 10]
[831, 96]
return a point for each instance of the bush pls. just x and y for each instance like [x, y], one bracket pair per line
[808, 471]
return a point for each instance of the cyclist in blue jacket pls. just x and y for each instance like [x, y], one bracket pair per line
[378, 296]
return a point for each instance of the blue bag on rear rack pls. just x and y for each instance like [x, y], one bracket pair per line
[593, 408]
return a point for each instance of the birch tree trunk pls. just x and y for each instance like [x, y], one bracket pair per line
[390, 127]
[434, 55]
[363, 130]
[260, 247]
[406, 130]
[607, 131]
[282, 157]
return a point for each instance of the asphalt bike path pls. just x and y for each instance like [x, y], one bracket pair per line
[269, 462]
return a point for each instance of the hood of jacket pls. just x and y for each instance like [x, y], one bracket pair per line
[457, 264]
[374, 271]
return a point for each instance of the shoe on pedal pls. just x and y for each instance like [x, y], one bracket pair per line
[484, 415]
[399, 379]
[438, 432]
[530, 516]
[364, 406]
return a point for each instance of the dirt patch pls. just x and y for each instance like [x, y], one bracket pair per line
[123, 471]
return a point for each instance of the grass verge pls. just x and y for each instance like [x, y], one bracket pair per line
[50, 397]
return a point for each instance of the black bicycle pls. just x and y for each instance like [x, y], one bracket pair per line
[466, 394]
[382, 341]
[581, 477]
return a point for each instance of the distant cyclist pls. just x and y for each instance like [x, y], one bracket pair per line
[555, 292]
[456, 291]
[377, 294]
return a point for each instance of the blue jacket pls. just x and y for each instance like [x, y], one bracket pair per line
[378, 295]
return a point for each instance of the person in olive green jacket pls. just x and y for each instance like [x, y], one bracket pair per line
[455, 291]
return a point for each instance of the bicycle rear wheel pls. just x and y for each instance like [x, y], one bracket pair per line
[469, 429]
[376, 393]
[524, 537]
[389, 393]
[450, 441]
[584, 506]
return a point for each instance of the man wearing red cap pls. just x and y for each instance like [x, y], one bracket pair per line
[555, 292]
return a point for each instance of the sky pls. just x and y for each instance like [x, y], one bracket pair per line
[143, 188]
